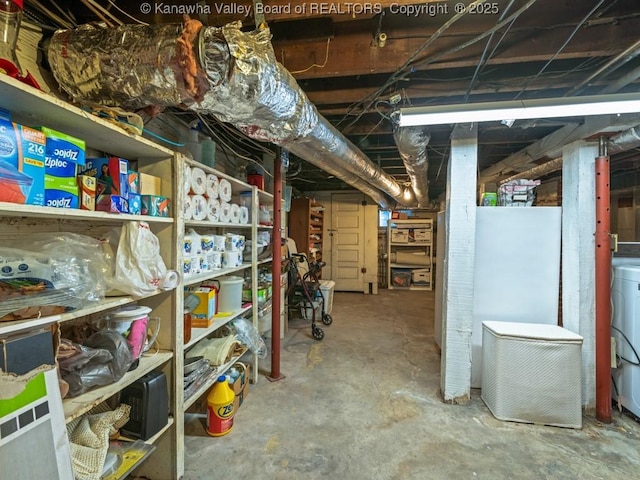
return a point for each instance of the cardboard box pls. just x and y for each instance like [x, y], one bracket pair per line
[241, 385]
[63, 157]
[134, 182]
[112, 174]
[135, 204]
[422, 235]
[87, 192]
[399, 216]
[150, 185]
[155, 206]
[400, 236]
[22, 157]
[421, 276]
[202, 315]
[112, 204]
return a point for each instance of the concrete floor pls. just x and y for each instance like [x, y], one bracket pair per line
[364, 404]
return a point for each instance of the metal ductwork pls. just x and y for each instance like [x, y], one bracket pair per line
[621, 142]
[412, 144]
[220, 71]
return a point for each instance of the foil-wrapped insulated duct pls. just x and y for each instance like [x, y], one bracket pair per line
[238, 80]
[412, 145]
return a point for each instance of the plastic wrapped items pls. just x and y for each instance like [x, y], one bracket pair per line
[103, 359]
[249, 335]
[517, 193]
[48, 274]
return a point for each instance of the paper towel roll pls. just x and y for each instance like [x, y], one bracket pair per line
[219, 242]
[409, 258]
[187, 212]
[235, 213]
[224, 190]
[244, 215]
[170, 280]
[198, 181]
[213, 210]
[206, 243]
[192, 243]
[199, 208]
[225, 212]
[231, 259]
[187, 179]
[214, 260]
[212, 186]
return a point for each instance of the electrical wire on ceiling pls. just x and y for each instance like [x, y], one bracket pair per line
[482, 61]
[315, 65]
[404, 72]
[130, 17]
[52, 15]
[562, 47]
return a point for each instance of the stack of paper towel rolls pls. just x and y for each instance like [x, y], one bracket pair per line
[209, 199]
[208, 252]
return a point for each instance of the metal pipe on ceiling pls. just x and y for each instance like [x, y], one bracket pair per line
[221, 71]
[412, 145]
[621, 142]
[609, 67]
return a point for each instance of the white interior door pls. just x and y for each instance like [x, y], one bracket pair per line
[347, 240]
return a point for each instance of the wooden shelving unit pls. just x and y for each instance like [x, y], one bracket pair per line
[306, 226]
[410, 254]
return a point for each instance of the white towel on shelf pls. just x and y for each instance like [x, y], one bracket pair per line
[213, 186]
[213, 210]
[199, 208]
[244, 215]
[198, 181]
[225, 212]
[224, 190]
[187, 211]
[235, 213]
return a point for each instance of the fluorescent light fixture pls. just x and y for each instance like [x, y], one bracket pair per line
[521, 109]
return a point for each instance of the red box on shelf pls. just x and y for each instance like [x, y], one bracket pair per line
[257, 180]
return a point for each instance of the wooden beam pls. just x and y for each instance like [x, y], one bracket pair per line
[351, 53]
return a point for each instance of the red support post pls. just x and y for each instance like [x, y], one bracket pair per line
[276, 268]
[603, 287]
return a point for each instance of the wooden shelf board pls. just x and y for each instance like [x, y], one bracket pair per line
[214, 274]
[204, 223]
[77, 406]
[198, 334]
[405, 265]
[34, 107]
[412, 287]
[207, 385]
[106, 304]
[19, 210]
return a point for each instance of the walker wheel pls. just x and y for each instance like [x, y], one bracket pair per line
[326, 319]
[317, 333]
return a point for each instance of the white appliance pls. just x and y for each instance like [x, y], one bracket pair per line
[517, 270]
[625, 295]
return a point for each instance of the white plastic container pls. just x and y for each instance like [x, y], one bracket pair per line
[327, 287]
[230, 295]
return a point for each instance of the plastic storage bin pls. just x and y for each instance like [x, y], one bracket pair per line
[327, 287]
[230, 295]
[532, 373]
[400, 277]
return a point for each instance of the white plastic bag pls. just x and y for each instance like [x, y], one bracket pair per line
[140, 269]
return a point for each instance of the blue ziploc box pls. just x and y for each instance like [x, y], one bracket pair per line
[135, 204]
[64, 155]
[22, 157]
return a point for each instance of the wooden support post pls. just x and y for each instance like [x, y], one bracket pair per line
[578, 259]
[459, 259]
